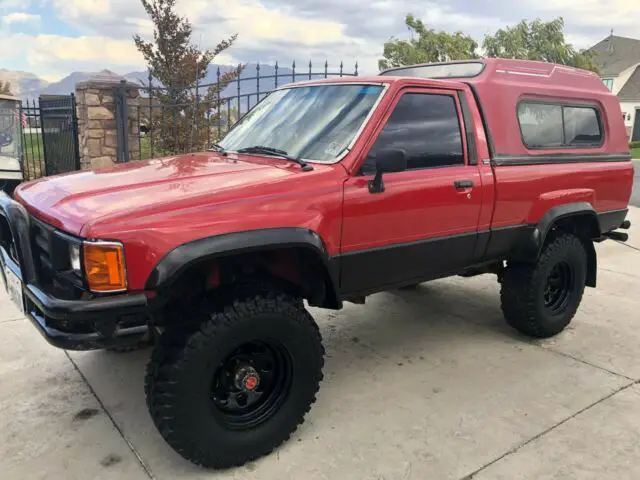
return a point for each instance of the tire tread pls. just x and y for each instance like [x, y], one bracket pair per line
[518, 292]
[176, 344]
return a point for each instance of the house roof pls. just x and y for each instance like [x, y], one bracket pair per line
[631, 89]
[615, 54]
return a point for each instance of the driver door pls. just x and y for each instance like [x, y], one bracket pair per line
[425, 222]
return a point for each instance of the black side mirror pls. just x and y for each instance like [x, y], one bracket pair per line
[387, 161]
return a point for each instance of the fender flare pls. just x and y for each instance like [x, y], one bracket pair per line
[174, 263]
[533, 241]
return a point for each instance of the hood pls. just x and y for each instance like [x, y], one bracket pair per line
[73, 202]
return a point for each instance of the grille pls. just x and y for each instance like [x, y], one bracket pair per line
[43, 250]
[50, 251]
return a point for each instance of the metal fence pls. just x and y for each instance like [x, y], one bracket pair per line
[49, 136]
[33, 165]
[180, 120]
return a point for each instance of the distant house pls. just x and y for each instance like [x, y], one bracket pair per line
[618, 59]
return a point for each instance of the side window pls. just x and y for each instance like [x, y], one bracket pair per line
[427, 127]
[581, 126]
[547, 125]
[541, 124]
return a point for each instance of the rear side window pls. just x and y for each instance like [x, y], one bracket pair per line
[548, 125]
[581, 126]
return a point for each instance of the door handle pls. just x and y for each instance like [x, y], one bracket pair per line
[461, 184]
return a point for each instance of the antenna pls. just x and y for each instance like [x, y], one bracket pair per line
[610, 47]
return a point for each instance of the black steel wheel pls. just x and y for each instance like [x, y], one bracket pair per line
[251, 384]
[540, 299]
[238, 386]
[560, 283]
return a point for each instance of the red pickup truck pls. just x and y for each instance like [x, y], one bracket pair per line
[327, 191]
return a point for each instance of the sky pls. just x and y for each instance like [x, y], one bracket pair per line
[52, 38]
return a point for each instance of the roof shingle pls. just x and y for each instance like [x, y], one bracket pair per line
[615, 54]
[631, 89]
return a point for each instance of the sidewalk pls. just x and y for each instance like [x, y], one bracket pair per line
[418, 385]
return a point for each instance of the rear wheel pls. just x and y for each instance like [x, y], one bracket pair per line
[540, 299]
[239, 385]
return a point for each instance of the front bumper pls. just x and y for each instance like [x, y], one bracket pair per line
[69, 324]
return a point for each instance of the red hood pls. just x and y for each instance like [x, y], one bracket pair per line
[73, 202]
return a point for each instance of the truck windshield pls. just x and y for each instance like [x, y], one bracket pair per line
[316, 122]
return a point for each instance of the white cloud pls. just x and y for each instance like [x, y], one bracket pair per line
[287, 30]
[9, 5]
[55, 56]
[445, 16]
[20, 17]
[78, 8]
[253, 20]
[45, 48]
[265, 33]
[597, 15]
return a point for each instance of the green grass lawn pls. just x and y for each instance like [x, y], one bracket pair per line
[635, 153]
[33, 155]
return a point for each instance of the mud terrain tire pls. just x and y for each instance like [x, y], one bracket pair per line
[540, 299]
[193, 397]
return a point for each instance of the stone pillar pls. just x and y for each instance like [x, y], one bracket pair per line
[96, 110]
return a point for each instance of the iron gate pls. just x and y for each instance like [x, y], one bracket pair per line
[59, 126]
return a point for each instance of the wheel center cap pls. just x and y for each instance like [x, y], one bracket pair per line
[247, 379]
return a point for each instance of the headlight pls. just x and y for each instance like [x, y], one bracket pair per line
[104, 266]
[74, 258]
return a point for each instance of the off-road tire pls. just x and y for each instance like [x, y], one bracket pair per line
[523, 288]
[181, 367]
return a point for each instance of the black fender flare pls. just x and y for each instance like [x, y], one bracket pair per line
[174, 263]
[532, 242]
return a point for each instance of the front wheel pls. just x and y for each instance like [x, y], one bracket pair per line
[540, 299]
[238, 386]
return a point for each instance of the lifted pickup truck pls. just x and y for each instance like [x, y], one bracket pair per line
[327, 191]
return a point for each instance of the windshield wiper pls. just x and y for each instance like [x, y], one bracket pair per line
[260, 149]
[216, 147]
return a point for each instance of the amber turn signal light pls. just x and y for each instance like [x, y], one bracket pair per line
[104, 267]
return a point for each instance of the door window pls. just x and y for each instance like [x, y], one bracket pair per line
[427, 127]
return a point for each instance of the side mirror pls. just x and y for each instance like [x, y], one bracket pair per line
[387, 161]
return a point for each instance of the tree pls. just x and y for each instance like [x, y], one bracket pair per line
[5, 88]
[426, 45]
[537, 40]
[180, 66]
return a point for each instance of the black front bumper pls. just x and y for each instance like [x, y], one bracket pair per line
[69, 324]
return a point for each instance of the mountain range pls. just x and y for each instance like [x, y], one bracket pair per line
[29, 86]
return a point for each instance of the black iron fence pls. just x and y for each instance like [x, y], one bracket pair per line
[33, 165]
[180, 120]
[59, 127]
[49, 136]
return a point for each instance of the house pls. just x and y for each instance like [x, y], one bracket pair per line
[618, 59]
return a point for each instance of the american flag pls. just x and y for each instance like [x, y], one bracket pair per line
[20, 117]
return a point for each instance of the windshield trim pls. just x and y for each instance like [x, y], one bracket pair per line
[385, 88]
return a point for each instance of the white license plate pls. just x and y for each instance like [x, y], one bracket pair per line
[14, 288]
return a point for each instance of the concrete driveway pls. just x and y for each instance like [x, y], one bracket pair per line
[420, 385]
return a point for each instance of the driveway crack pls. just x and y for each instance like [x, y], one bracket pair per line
[513, 450]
